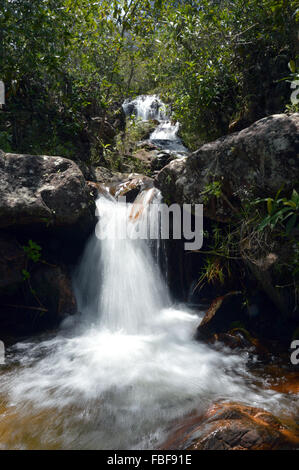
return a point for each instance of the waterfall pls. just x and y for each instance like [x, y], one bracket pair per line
[126, 369]
[132, 290]
[146, 107]
[165, 136]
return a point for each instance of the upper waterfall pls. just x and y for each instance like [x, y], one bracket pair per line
[150, 107]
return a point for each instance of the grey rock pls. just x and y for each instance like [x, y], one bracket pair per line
[43, 191]
[255, 162]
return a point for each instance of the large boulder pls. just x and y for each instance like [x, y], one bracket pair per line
[255, 162]
[33, 295]
[43, 192]
[232, 426]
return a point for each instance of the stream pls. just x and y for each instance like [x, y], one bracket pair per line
[121, 373]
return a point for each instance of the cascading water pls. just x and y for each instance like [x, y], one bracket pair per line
[132, 290]
[121, 376]
[118, 375]
[165, 136]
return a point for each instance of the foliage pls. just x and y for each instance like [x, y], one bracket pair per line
[225, 60]
[283, 212]
[264, 233]
[66, 61]
[293, 79]
[217, 268]
[33, 251]
[212, 189]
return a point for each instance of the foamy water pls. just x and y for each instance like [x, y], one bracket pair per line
[119, 374]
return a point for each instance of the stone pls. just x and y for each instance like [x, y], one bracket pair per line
[131, 187]
[219, 316]
[255, 162]
[233, 426]
[43, 191]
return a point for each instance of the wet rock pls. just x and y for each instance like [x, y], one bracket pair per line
[255, 162]
[234, 340]
[240, 338]
[221, 313]
[231, 426]
[281, 380]
[94, 188]
[162, 159]
[44, 191]
[132, 187]
[147, 145]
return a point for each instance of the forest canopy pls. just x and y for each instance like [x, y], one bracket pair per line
[215, 62]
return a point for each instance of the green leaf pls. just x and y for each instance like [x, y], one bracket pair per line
[269, 205]
[295, 197]
[264, 223]
[290, 204]
[291, 224]
[26, 274]
[292, 66]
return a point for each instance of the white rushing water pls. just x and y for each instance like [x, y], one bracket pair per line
[117, 376]
[165, 136]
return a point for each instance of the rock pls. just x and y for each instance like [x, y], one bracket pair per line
[147, 145]
[255, 162]
[221, 313]
[162, 159]
[103, 128]
[87, 169]
[131, 187]
[94, 188]
[240, 338]
[231, 426]
[263, 273]
[144, 157]
[42, 301]
[234, 340]
[103, 175]
[171, 180]
[119, 118]
[282, 381]
[43, 191]
[12, 261]
[53, 289]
